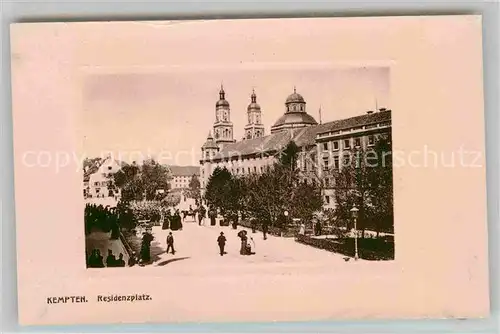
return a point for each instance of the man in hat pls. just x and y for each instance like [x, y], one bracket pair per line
[170, 243]
[221, 240]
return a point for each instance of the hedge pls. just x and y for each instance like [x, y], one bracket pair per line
[368, 249]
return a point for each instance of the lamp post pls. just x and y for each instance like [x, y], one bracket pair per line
[285, 213]
[354, 213]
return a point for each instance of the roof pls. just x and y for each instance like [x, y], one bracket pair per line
[222, 102]
[253, 106]
[351, 122]
[268, 143]
[184, 170]
[210, 143]
[295, 98]
[94, 167]
[302, 137]
[295, 118]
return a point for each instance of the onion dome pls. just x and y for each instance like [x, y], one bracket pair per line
[222, 98]
[253, 104]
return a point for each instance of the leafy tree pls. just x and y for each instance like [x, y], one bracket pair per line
[194, 188]
[129, 180]
[142, 182]
[280, 188]
[288, 157]
[218, 189]
[154, 177]
[367, 182]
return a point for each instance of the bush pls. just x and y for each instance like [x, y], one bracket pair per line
[368, 249]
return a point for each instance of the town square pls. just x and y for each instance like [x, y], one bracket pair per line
[305, 192]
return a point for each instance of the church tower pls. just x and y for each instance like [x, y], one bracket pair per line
[254, 127]
[223, 127]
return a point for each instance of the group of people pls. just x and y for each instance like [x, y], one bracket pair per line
[96, 260]
[172, 221]
[101, 218]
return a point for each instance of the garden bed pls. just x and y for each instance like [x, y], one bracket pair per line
[368, 249]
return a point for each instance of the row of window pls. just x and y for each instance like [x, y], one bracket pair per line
[102, 184]
[346, 143]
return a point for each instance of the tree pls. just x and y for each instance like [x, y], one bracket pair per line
[194, 188]
[366, 181]
[280, 189]
[218, 188]
[154, 177]
[128, 179]
[288, 157]
[142, 182]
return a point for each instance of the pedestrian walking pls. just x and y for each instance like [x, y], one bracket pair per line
[170, 243]
[147, 238]
[221, 240]
[265, 229]
[243, 236]
[201, 214]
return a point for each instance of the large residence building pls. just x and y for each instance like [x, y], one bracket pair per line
[181, 176]
[322, 146]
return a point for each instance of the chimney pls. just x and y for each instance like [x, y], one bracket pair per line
[382, 109]
[369, 112]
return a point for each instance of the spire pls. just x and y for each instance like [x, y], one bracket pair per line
[294, 89]
[320, 121]
[221, 92]
[254, 96]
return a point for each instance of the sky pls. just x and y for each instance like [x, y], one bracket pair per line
[167, 114]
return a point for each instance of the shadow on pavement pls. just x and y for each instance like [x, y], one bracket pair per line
[163, 263]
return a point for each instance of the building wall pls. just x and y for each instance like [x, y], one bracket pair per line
[180, 181]
[99, 182]
[318, 162]
[336, 150]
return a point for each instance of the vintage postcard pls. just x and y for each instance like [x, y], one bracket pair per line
[250, 170]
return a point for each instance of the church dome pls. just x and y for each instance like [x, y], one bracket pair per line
[253, 103]
[222, 103]
[253, 106]
[295, 98]
[222, 98]
[295, 119]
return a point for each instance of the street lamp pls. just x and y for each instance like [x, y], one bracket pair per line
[354, 213]
[285, 213]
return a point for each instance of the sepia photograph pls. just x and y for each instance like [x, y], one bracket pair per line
[249, 170]
[295, 167]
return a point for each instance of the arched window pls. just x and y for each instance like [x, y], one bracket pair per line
[249, 135]
[301, 107]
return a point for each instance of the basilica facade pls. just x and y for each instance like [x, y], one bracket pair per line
[322, 146]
